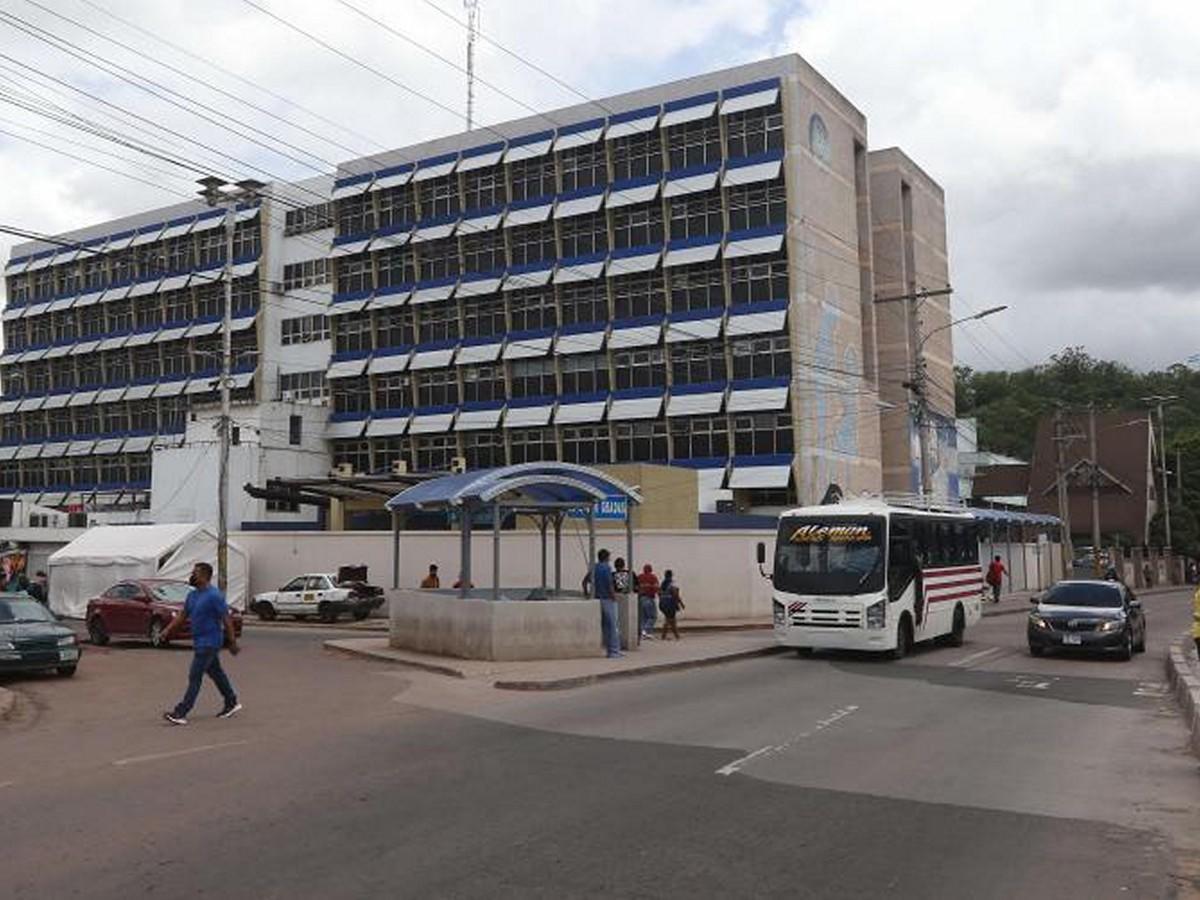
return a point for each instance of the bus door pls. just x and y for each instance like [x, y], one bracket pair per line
[904, 563]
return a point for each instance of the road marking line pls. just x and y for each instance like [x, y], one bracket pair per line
[836, 716]
[738, 763]
[150, 757]
[1032, 682]
[967, 660]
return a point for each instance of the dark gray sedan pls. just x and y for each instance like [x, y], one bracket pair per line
[1087, 615]
[32, 639]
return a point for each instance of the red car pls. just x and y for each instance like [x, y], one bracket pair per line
[141, 609]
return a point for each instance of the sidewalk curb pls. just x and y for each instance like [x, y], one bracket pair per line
[374, 656]
[1185, 682]
[562, 684]
[8, 703]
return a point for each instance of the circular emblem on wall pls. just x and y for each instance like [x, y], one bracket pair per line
[818, 138]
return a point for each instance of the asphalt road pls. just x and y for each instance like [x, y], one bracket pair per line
[961, 772]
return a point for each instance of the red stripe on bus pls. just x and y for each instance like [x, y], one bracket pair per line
[957, 582]
[957, 596]
[954, 570]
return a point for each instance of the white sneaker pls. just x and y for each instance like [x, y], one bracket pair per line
[229, 711]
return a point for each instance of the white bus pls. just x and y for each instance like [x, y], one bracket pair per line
[871, 575]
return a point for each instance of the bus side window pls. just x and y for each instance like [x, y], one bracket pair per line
[902, 563]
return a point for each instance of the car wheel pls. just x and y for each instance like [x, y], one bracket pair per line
[1035, 650]
[904, 639]
[804, 651]
[66, 671]
[1127, 648]
[327, 614]
[156, 630]
[97, 632]
[959, 628]
[1141, 644]
[360, 614]
[265, 611]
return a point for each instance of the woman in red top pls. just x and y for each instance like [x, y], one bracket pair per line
[647, 591]
[995, 575]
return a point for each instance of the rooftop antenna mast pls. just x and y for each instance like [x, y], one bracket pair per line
[472, 7]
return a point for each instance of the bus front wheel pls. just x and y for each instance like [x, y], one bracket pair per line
[904, 639]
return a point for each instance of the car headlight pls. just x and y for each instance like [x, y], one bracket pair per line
[67, 640]
[1038, 622]
[1112, 625]
[779, 613]
[877, 614]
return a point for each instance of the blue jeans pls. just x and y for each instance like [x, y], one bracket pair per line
[205, 660]
[649, 613]
[610, 626]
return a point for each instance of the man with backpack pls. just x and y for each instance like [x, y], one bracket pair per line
[995, 576]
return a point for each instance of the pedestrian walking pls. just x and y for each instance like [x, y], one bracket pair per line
[601, 582]
[40, 589]
[622, 577]
[208, 613]
[995, 577]
[647, 590]
[431, 581]
[1147, 575]
[1196, 620]
[670, 601]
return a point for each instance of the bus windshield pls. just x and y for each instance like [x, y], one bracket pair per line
[829, 555]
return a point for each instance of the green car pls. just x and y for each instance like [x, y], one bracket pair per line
[33, 640]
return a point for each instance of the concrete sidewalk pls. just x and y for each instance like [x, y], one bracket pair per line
[557, 674]
[380, 625]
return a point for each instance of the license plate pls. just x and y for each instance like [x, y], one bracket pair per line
[65, 655]
[1072, 639]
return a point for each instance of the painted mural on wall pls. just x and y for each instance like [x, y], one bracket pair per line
[944, 464]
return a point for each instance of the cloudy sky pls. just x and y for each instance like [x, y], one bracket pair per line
[1068, 141]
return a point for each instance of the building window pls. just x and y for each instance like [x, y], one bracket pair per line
[762, 357]
[178, 306]
[283, 504]
[483, 251]
[145, 363]
[210, 249]
[95, 269]
[437, 322]
[64, 327]
[247, 240]
[700, 437]
[584, 301]
[641, 294]
[533, 378]
[482, 384]
[700, 286]
[179, 253]
[532, 178]
[818, 138]
[531, 243]
[585, 373]
[695, 215]
[19, 287]
[386, 451]
[757, 205]
[640, 368]
[352, 333]
[15, 335]
[308, 218]
[435, 451]
[114, 418]
[437, 387]
[393, 391]
[439, 197]
[147, 312]
[483, 317]
[637, 156]
[43, 285]
[483, 449]
[762, 434]
[484, 188]
[754, 131]
[304, 386]
[355, 214]
[586, 445]
[62, 374]
[637, 226]
[295, 430]
[394, 267]
[356, 454]
[90, 373]
[175, 359]
[39, 327]
[116, 367]
[438, 259]
[640, 441]
[396, 206]
[11, 431]
[394, 327]
[753, 281]
[351, 395]
[694, 143]
[532, 445]
[245, 296]
[532, 309]
[583, 167]
[584, 235]
[172, 414]
[305, 274]
[304, 330]
[68, 279]
[37, 379]
[354, 274]
[210, 301]
[698, 362]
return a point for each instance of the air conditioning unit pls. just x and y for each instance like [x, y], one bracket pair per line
[287, 396]
[343, 470]
[399, 466]
[458, 464]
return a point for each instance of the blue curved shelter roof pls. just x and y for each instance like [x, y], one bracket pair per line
[1011, 516]
[550, 483]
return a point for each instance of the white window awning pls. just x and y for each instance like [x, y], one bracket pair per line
[108, 445]
[42, 261]
[31, 355]
[432, 359]
[344, 307]
[391, 362]
[752, 322]
[526, 348]
[11, 313]
[629, 194]
[241, 270]
[690, 184]
[349, 248]
[241, 323]
[16, 266]
[432, 293]
[171, 334]
[241, 380]
[179, 229]
[89, 298]
[488, 221]
[389, 241]
[528, 416]
[177, 282]
[529, 147]
[434, 423]
[55, 449]
[83, 398]
[528, 278]
[389, 297]
[206, 223]
[763, 399]
[60, 304]
[579, 206]
[116, 292]
[395, 176]
[57, 401]
[753, 243]
[8, 407]
[58, 350]
[473, 287]
[139, 391]
[478, 353]
[579, 269]
[351, 429]
[245, 215]
[692, 253]
[113, 343]
[7, 453]
[138, 444]
[148, 236]
[433, 231]
[478, 419]
[627, 265]
[28, 451]
[634, 122]
[693, 109]
[203, 385]
[352, 187]
[580, 135]
[346, 368]
[622, 338]
[481, 157]
[141, 338]
[528, 215]
[203, 329]
[142, 288]
[110, 395]
[579, 342]
[751, 172]
[759, 476]
[388, 426]
[435, 167]
[707, 403]
[170, 388]
[751, 96]
[705, 329]
[580, 413]
[625, 408]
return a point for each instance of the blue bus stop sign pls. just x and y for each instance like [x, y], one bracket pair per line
[609, 508]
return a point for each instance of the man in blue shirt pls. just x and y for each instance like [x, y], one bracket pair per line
[206, 609]
[602, 590]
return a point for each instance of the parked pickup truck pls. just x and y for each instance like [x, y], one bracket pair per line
[323, 595]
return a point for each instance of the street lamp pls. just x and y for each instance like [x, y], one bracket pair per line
[217, 192]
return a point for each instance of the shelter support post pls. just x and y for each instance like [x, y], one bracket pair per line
[464, 554]
[558, 522]
[395, 549]
[542, 525]
[591, 523]
[629, 542]
[497, 519]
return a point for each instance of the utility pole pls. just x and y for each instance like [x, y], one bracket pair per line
[1064, 500]
[216, 192]
[1158, 400]
[472, 7]
[1094, 479]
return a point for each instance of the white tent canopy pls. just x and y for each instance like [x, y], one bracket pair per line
[106, 554]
